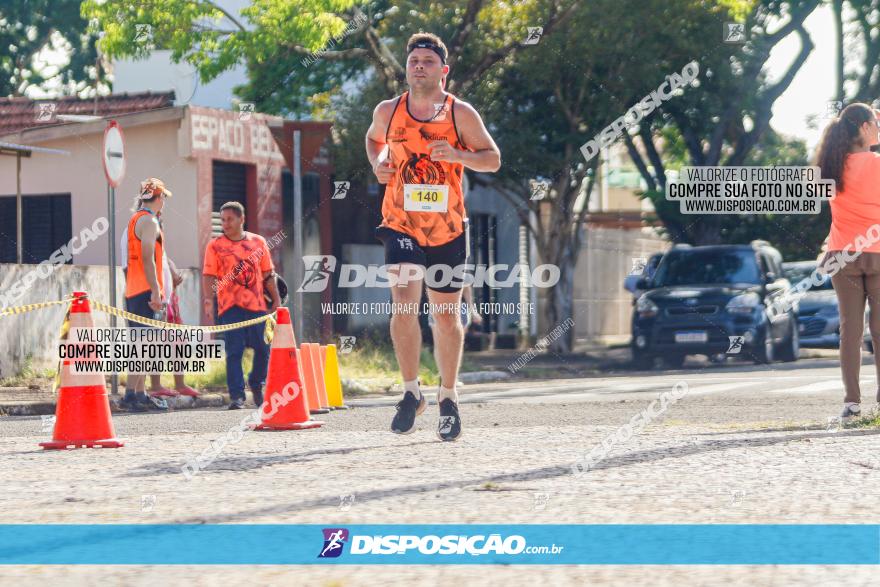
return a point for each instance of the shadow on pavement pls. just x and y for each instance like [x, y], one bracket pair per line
[223, 464]
[550, 472]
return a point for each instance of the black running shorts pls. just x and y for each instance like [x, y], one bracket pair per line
[402, 248]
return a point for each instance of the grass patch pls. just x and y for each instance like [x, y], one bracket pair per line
[373, 363]
[29, 375]
[872, 421]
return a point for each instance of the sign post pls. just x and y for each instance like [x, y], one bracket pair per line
[113, 152]
[299, 272]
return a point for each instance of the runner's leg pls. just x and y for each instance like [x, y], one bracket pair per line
[448, 337]
[406, 334]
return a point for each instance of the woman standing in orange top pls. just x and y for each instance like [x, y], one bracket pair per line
[846, 157]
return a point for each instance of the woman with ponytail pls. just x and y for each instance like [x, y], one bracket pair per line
[845, 156]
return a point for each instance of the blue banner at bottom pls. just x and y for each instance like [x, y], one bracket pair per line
[509, 544]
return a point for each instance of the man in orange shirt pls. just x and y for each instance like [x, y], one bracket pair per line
[419, 144]
[238, 268]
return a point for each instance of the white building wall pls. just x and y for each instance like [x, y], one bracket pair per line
[152, 151]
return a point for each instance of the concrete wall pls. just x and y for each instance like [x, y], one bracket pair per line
[35, 334]
[151, 151]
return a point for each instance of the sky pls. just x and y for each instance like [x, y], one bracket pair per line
[813, 86]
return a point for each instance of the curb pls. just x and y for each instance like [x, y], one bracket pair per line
[483, 376]
[182, 402]
[41, 408]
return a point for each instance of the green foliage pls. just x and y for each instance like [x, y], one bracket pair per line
[796, 236]
[203, 35]
[30, 28]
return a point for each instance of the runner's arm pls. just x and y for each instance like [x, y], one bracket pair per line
[484, 154]
[176, 276]
[375, 142]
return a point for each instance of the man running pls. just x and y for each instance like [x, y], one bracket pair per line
[419, 144]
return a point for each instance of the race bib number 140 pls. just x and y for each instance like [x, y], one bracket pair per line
[419, 197]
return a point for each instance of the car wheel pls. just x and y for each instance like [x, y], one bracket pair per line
[764, 351]
[791, 348]
[718, 358]
[674, 361]
[642, 361]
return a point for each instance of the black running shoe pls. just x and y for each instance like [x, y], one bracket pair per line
[130, 403]
[449, 427]
[407, 410]
[236, 404]
[258, 397]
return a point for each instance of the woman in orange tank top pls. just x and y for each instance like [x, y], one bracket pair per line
[853, 257]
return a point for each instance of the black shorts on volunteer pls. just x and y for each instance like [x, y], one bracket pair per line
[140, 305]
[402, 248]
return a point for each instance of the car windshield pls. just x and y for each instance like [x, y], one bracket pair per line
[711, 266]
[796, 274]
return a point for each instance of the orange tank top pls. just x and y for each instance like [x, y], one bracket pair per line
[407, 138]
[135, 277]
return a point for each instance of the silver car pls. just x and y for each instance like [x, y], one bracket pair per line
[818, 315]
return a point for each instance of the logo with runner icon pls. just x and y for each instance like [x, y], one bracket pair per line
[334, 540]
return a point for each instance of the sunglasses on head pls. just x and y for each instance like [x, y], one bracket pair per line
[151, 190]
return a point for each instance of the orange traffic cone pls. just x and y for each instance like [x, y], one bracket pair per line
[318, 363]
[82, 416]
[310, 379]
[285, 407]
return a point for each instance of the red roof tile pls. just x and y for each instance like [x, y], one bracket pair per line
[20, 113]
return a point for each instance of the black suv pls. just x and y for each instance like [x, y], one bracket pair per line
[699, 297]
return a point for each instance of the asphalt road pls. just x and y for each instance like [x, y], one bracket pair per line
[745, 444]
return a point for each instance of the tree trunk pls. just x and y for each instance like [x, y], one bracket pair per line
[837, 6]
[560, 304]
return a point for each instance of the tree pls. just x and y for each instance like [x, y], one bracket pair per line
[542, 101]
[541, 104]
[296, 49]
[483, 39]
[31, 28]
[725, 120]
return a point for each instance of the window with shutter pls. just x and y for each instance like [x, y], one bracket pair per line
[47, 225]
[230, 185]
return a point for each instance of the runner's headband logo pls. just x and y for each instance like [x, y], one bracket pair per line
[431, 46]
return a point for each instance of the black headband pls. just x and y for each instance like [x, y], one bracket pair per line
[428, 45]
